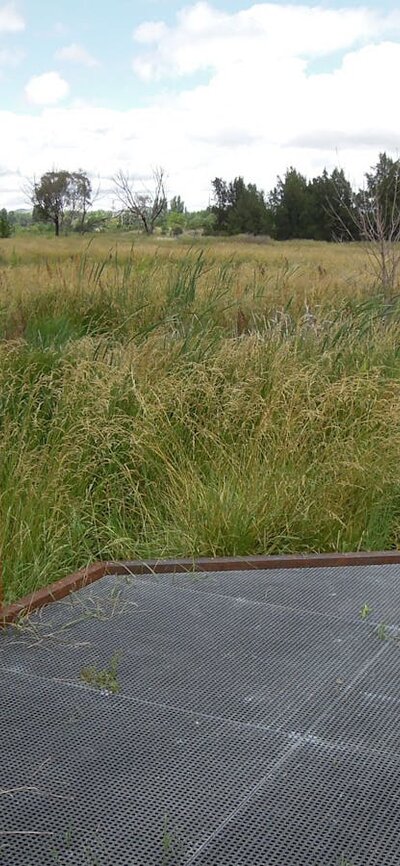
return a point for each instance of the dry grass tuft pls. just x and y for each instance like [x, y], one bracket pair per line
[161, 400]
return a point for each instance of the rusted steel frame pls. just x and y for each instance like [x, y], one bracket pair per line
[71, 583]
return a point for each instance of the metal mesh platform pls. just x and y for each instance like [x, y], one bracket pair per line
[257, 722]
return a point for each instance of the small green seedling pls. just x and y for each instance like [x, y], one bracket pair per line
[382, 631]
[173, 846]
[167, 838]
[106, 680]
[365, 611]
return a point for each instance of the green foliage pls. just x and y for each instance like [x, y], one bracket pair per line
[5, 225]
[319, 209]
[106, 679]
[324, 208]
[290, 204]
[330, 208]
[96, 221]
[175, 223]
[381, 197]
[20, 219]
[177, 205]
[59, 193]
[201, 221]
[239, 208]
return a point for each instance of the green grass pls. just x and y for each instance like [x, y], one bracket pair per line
[166, 401]
[105, 679]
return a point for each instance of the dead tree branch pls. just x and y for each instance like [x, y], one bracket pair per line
[146, 205]
[374, 219]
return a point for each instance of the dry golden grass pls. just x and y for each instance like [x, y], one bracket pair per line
[166, 399]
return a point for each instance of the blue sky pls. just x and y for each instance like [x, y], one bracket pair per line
[106, 30]
[225, 86]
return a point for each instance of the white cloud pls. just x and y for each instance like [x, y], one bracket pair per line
[262, 109]
[10, 19]
[151, 31]
[205, 38]
[46, 89]
[75, 53]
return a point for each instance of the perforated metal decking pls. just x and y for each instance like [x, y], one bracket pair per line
[257, 723]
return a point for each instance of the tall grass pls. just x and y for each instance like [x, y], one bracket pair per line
[174, 401]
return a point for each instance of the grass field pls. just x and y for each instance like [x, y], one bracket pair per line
[167, 399]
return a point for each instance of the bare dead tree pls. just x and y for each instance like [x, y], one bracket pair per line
[145, 205]
[379, 225]
[374, 219]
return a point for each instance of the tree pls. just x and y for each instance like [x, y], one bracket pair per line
[19, 218]
[175, 223]
[240, 208]
[380, 199]
[5, 225]
[177, 205]
[145, 206]
[81, 197]
[58, 193]
[96, 221]
[201, 221]
[330, 207]
[221, 203]
[289, 204]
[374, 218]
[248, 213]
[378, 221]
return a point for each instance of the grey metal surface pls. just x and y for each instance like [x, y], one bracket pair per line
[257, 723]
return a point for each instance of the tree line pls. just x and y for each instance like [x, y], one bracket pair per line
[324, 208]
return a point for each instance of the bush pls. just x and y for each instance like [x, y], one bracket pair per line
[5, 226]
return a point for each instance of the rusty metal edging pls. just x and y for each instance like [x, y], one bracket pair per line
[84, 577]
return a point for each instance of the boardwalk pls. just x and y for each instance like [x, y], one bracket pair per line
[242, 718]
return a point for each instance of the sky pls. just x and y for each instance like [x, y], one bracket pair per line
[203, 89]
